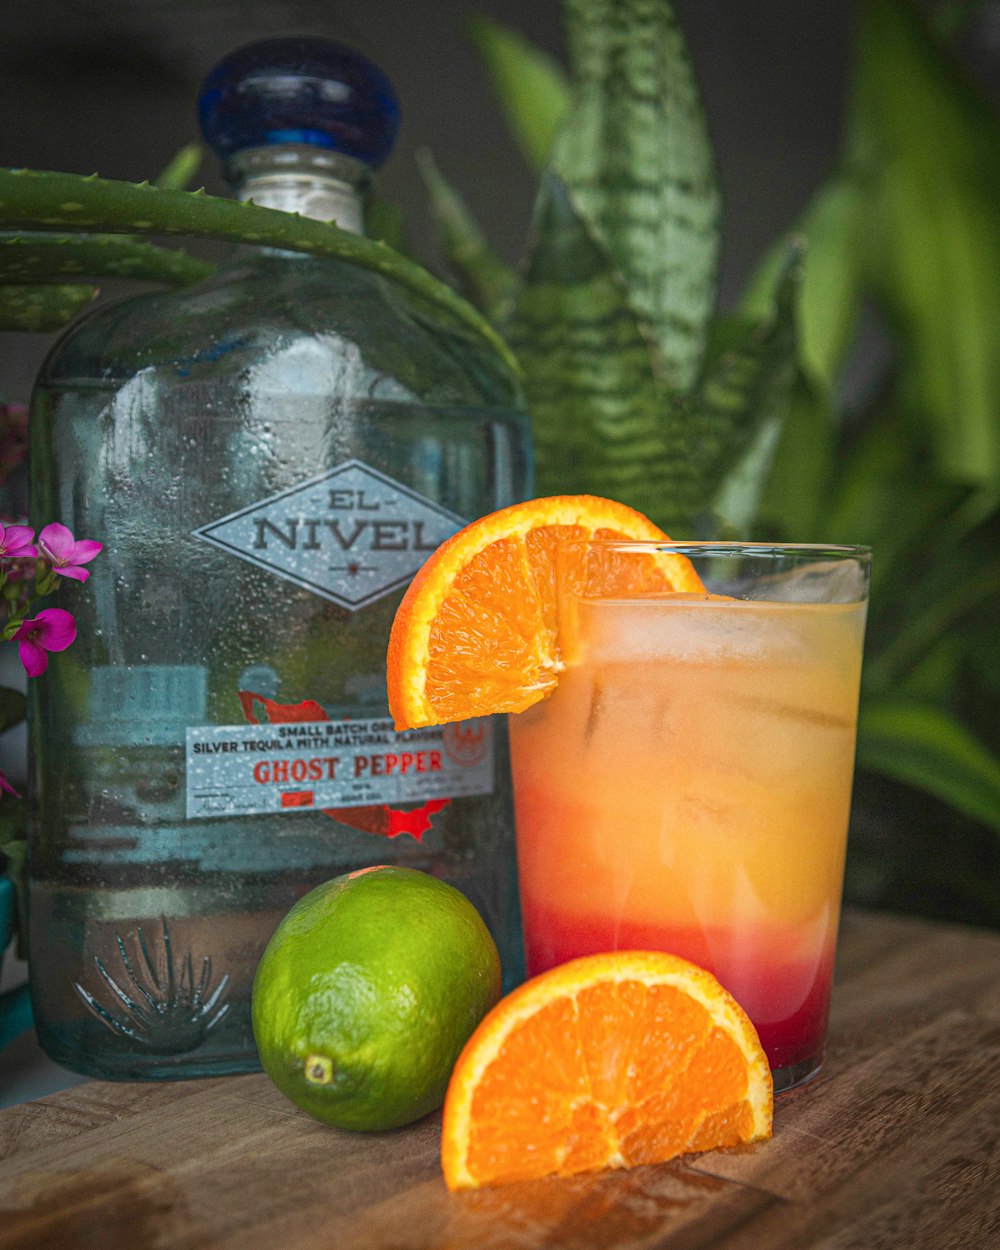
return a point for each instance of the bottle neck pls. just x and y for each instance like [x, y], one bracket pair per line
[297, 178]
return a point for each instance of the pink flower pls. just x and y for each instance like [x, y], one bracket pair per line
[57, 545]
[53, 629]
[16, 542]
[6, 787]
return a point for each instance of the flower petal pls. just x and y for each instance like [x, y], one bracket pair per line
[85, 550]
[55, 628]
[74, 572]
[17, 536]
[33, 657]
[56, 541]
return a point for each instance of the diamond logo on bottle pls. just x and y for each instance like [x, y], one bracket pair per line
[351, 534]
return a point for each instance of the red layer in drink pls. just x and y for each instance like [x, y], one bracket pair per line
[788, 1000]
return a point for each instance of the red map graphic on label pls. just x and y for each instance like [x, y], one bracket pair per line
[389, 822]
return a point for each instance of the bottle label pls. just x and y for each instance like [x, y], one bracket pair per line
[351, 535]
[246, 770]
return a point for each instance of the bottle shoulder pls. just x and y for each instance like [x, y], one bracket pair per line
[337, 324]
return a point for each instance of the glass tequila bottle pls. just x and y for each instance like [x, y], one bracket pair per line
[268, 456]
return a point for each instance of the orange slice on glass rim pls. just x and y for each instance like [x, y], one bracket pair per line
[476, 631]
[646, 1057]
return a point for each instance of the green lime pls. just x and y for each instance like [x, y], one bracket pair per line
[367, 992]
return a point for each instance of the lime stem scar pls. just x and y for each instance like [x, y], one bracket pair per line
[319, 1070]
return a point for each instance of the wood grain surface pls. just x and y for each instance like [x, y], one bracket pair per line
[896, 1144]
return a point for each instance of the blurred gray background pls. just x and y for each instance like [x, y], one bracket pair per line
[110, 86]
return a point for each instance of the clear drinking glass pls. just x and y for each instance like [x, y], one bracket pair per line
[687, 786]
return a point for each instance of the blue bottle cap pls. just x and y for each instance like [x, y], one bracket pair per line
[309, 91]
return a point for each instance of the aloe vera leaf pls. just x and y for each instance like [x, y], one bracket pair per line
[590, 374]
[737, 414]
[37, 200]
[180, 170]
[924, 746]
[42, 307]
[532, 89]
[486, 280]
[635, 153]
[931, 148]
[830, 296]
[25, 257]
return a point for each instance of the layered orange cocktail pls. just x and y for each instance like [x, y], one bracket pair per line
[687, 785]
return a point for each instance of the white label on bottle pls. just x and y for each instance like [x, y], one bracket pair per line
[351, 534]
[245, 770]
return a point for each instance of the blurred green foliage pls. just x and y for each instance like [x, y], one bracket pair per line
[738, 425]
[716, 425]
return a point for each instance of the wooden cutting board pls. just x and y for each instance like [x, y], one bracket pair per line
[896, 1144]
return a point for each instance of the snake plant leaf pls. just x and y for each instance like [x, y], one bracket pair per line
[634, 151]
[179, 172]
[924, 746]
[532, 89]
[600, 412]
[737, 414]
[931, 149]
[42, 307]
[38, 200]
[37, 255]
[489, 282]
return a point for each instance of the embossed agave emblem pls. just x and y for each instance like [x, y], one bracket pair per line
[154, 1001]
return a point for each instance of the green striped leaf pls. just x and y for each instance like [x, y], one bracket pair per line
[634, 151]
[531, 87]
[924, 746]
[597, 406]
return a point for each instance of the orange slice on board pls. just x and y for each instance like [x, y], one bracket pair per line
[608, 1061]
[476, 631]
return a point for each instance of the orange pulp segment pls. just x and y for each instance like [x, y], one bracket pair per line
[476, 631]
[607, 1061]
